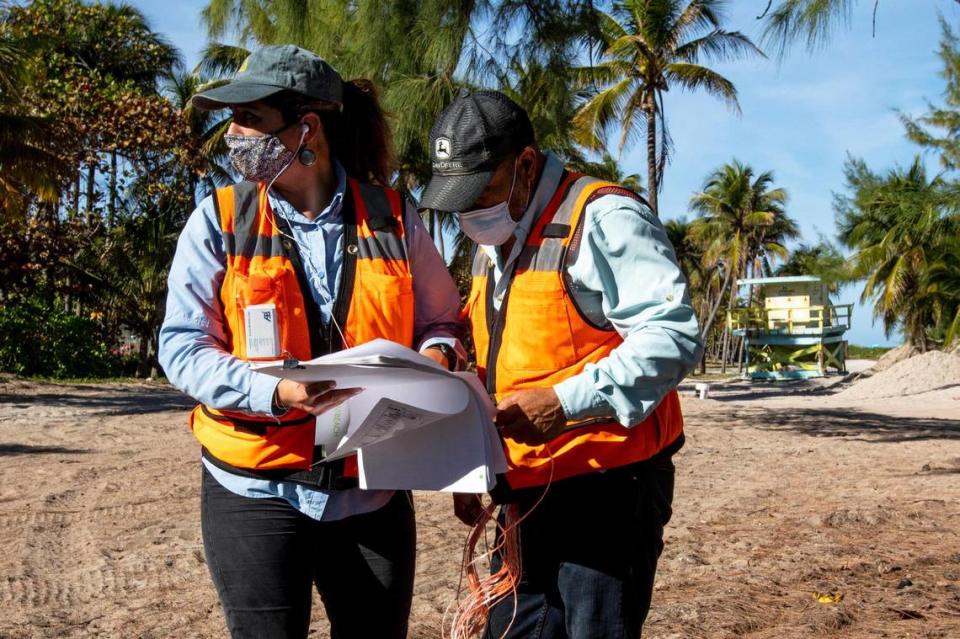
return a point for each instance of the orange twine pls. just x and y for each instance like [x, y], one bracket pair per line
[484, 593]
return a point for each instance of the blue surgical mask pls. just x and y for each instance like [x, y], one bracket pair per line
[493, 225]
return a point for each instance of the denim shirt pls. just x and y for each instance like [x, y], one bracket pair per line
[627, 267]
[193, 338]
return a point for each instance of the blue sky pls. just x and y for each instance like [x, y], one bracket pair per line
[801, 116]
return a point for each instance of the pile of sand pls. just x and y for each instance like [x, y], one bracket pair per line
[891, 357]
[919, 374]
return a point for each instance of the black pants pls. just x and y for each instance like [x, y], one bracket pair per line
[589, 554]
[265, 557]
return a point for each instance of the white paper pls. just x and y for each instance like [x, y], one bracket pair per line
[414, 426]
[449, 456]
[331, 427]
[387, 419]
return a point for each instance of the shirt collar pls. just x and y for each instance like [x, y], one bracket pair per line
[332, 212]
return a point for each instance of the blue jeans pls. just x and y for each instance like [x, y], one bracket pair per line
[265, 557]
[589, 554]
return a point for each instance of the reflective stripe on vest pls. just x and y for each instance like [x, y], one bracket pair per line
[374, 300]
[539, 338]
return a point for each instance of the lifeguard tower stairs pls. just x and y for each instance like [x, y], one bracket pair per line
[791, 330]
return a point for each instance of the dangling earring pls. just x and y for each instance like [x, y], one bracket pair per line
[307, 157]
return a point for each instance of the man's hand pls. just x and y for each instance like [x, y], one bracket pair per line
[467, 507]
[314, 398]
[533, 416]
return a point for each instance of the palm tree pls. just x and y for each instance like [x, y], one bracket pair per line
[822, 259]
[650, 46]
[207, 128]
[420, 53]
[898, 225]
[83, 57]
[688, 251]
[607, 168]
[810, 20]
[942, 285]
[27, 167]
[939, 128]
[742, 217]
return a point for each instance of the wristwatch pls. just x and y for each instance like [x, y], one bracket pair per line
[448, 353]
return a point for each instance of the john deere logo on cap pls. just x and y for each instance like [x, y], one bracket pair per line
[441, 148]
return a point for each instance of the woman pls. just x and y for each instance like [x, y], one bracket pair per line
[310, 254]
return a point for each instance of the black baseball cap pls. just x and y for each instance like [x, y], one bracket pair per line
[469, 139]
[273, 69]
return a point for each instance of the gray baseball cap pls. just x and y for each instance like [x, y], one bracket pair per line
[467, 143]
[270, 70]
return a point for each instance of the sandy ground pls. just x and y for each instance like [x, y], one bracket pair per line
[781, 492]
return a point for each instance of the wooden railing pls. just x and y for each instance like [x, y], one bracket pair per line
[805, 319]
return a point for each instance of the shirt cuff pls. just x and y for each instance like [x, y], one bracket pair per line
[262, 389]
[580, 400]
[453, 343]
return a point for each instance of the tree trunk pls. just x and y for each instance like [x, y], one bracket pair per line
[730, 305]
[704, 305]
[112, 210]
[650, 111]
[76, 195]
[713, 313]
[143, 367]
[723, 352]
[91, 188]
[154, 350]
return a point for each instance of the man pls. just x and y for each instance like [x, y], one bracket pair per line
[583, 328]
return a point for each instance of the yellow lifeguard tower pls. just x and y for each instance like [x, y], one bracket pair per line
[793, 331]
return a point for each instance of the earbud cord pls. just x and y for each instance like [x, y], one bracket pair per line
[304, 250]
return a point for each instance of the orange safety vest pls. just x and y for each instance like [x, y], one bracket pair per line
[539, 337]
[375, 299]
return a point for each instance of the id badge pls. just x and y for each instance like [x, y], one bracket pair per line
[263, 332]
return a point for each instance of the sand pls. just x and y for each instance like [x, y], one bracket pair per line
[780, 494]
[924, 373]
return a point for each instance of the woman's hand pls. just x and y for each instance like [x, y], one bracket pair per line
[436, 355]
[314, 398]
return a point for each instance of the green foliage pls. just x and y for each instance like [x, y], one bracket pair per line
[38, 337]
[743, 224]
[36, 254]
[647, 48]
[822, 259]
[900, 224]
[939, 129]
[810, 21]
[97, 224]
[866, 352]
[689, 253]
[89, 81]
[421, 52]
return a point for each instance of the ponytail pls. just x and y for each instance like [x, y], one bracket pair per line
[358, 135]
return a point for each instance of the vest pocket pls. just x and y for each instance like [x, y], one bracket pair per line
[537, 336]
[251, 289]
[382, 306]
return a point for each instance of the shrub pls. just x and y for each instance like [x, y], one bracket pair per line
[39, 338]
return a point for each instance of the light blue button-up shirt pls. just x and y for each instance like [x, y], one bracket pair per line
[193, 338]
[627, 262]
